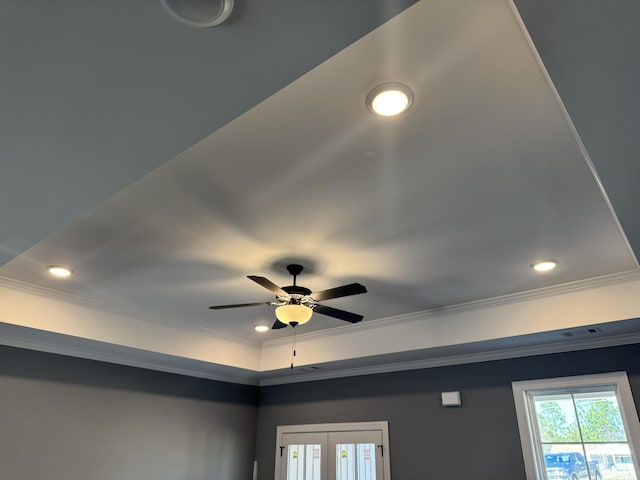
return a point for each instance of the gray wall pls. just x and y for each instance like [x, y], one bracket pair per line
[64, 418]
[67, 418]
[478, 441]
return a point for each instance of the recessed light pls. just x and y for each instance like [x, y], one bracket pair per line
[199, 13]
[261, 328]
[545, 265]
[59, 271]
[389, 99]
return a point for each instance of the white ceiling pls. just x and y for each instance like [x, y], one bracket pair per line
[438, 212]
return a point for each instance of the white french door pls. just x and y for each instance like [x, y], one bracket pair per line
[303, 456]
[356, 455]
[336, 453]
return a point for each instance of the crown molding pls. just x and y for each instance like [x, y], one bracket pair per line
[77, 300]
[444, 361]
[163, 362]
[512, 298]
[253, 378]
[125, 356]
[71, 346]
[595, 282]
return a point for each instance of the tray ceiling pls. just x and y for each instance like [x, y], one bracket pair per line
[163, 181]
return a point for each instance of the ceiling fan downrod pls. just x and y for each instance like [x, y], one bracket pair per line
[295, 270]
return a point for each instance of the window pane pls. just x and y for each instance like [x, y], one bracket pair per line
[576, 428]
[355, 461]
[582, 436]
[556, 417]
[614, 460]
[567, 462]
[599, 417]
[303, 462]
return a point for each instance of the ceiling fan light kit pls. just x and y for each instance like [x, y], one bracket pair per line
[293, 314]
[296, 304]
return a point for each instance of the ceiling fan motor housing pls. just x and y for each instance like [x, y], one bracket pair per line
[296, 290]
[297, 295]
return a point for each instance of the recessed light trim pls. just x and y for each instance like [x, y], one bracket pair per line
[389, 99]
[198, 13]
[261, 328]
[545, 265]
[59, 271]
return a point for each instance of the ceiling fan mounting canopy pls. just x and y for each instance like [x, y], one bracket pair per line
[295, 269]
[303, 299]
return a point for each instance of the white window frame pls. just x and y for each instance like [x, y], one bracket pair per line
[617, 381]
[382, 426]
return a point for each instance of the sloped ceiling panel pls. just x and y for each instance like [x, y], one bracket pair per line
[97, 94]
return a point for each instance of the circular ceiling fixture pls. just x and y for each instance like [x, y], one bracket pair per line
[261, 328]
[389, 99]
[59, 271]
[199, 13]
[545, 265]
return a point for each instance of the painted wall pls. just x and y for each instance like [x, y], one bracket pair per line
[64, 418]
[479, 440]
[68, 418]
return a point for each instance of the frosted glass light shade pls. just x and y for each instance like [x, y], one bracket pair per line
[294, 313]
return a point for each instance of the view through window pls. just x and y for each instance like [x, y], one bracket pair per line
[577, 431]
[583, 432]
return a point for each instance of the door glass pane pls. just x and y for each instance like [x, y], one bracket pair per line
[303, 462]
[355, 461]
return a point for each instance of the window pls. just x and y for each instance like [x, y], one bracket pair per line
[576, 428]
[336, 451]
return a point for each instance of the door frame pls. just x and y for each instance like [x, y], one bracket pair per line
[382, 426]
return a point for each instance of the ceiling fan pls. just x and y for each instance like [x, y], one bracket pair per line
[295, 303]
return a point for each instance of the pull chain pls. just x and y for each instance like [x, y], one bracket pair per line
[293, 346]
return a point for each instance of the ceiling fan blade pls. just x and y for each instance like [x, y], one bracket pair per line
[278, 324]
[337, 313]
[343, 291]
[237, 305]
[268, 284]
